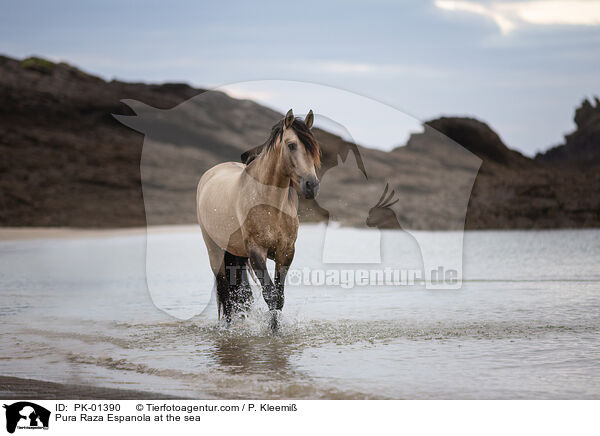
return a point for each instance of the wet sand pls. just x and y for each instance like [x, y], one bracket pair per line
[27, 233]
[13, 388]
[20, 388]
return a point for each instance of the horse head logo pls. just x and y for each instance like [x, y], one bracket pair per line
[429, 187]
[27, 415]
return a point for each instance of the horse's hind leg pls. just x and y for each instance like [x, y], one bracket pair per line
[244, 288]
[240, 292]
[216, 256]
[224, 297]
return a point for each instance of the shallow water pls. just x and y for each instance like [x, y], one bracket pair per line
[525, 323]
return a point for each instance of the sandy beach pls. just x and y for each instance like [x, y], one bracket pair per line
[28, 233]
[24, 388]
[14, 388]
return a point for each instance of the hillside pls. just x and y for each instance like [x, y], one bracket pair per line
[68, 162]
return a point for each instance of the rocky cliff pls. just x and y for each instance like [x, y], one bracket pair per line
[66, 161]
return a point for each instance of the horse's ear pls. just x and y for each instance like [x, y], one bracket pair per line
[309, 119]
[289, 119]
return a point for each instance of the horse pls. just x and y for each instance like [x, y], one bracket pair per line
[248, 213]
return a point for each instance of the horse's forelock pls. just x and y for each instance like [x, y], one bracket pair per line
[304, 134]
[310, 143]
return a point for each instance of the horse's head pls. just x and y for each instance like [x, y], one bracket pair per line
[381, 215]
[299, 152]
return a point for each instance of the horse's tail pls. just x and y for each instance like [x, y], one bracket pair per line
[219, 305]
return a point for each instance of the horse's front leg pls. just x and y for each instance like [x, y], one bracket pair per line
[283, 260]
[258, 262]
[280, 274]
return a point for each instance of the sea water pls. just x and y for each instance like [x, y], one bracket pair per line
[525, 322]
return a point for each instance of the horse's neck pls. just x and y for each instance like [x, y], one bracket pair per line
[265, 169]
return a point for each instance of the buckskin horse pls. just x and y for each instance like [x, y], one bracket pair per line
[248, 213]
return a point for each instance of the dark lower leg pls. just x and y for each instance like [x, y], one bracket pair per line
[272, 294]
[240, 292]
[223, 298]
[278, 297]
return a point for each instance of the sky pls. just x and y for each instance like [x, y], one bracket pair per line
[522, 67]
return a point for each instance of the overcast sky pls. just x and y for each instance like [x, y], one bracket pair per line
[521, 67]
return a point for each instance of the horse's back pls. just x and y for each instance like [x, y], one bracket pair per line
[225, 175]
[217, 213]
[225, 169]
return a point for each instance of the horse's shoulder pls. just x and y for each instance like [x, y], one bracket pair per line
[224, 169]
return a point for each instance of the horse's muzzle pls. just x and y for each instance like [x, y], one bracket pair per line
[309, 187]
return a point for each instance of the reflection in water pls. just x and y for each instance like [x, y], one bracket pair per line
[251, 355]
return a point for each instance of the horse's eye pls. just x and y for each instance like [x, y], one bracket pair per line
[292, 146]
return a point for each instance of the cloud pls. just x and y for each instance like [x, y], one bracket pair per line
[509, 16]
[242, 92]
[374, 69]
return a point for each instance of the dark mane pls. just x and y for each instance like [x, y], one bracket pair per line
[304, 135]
